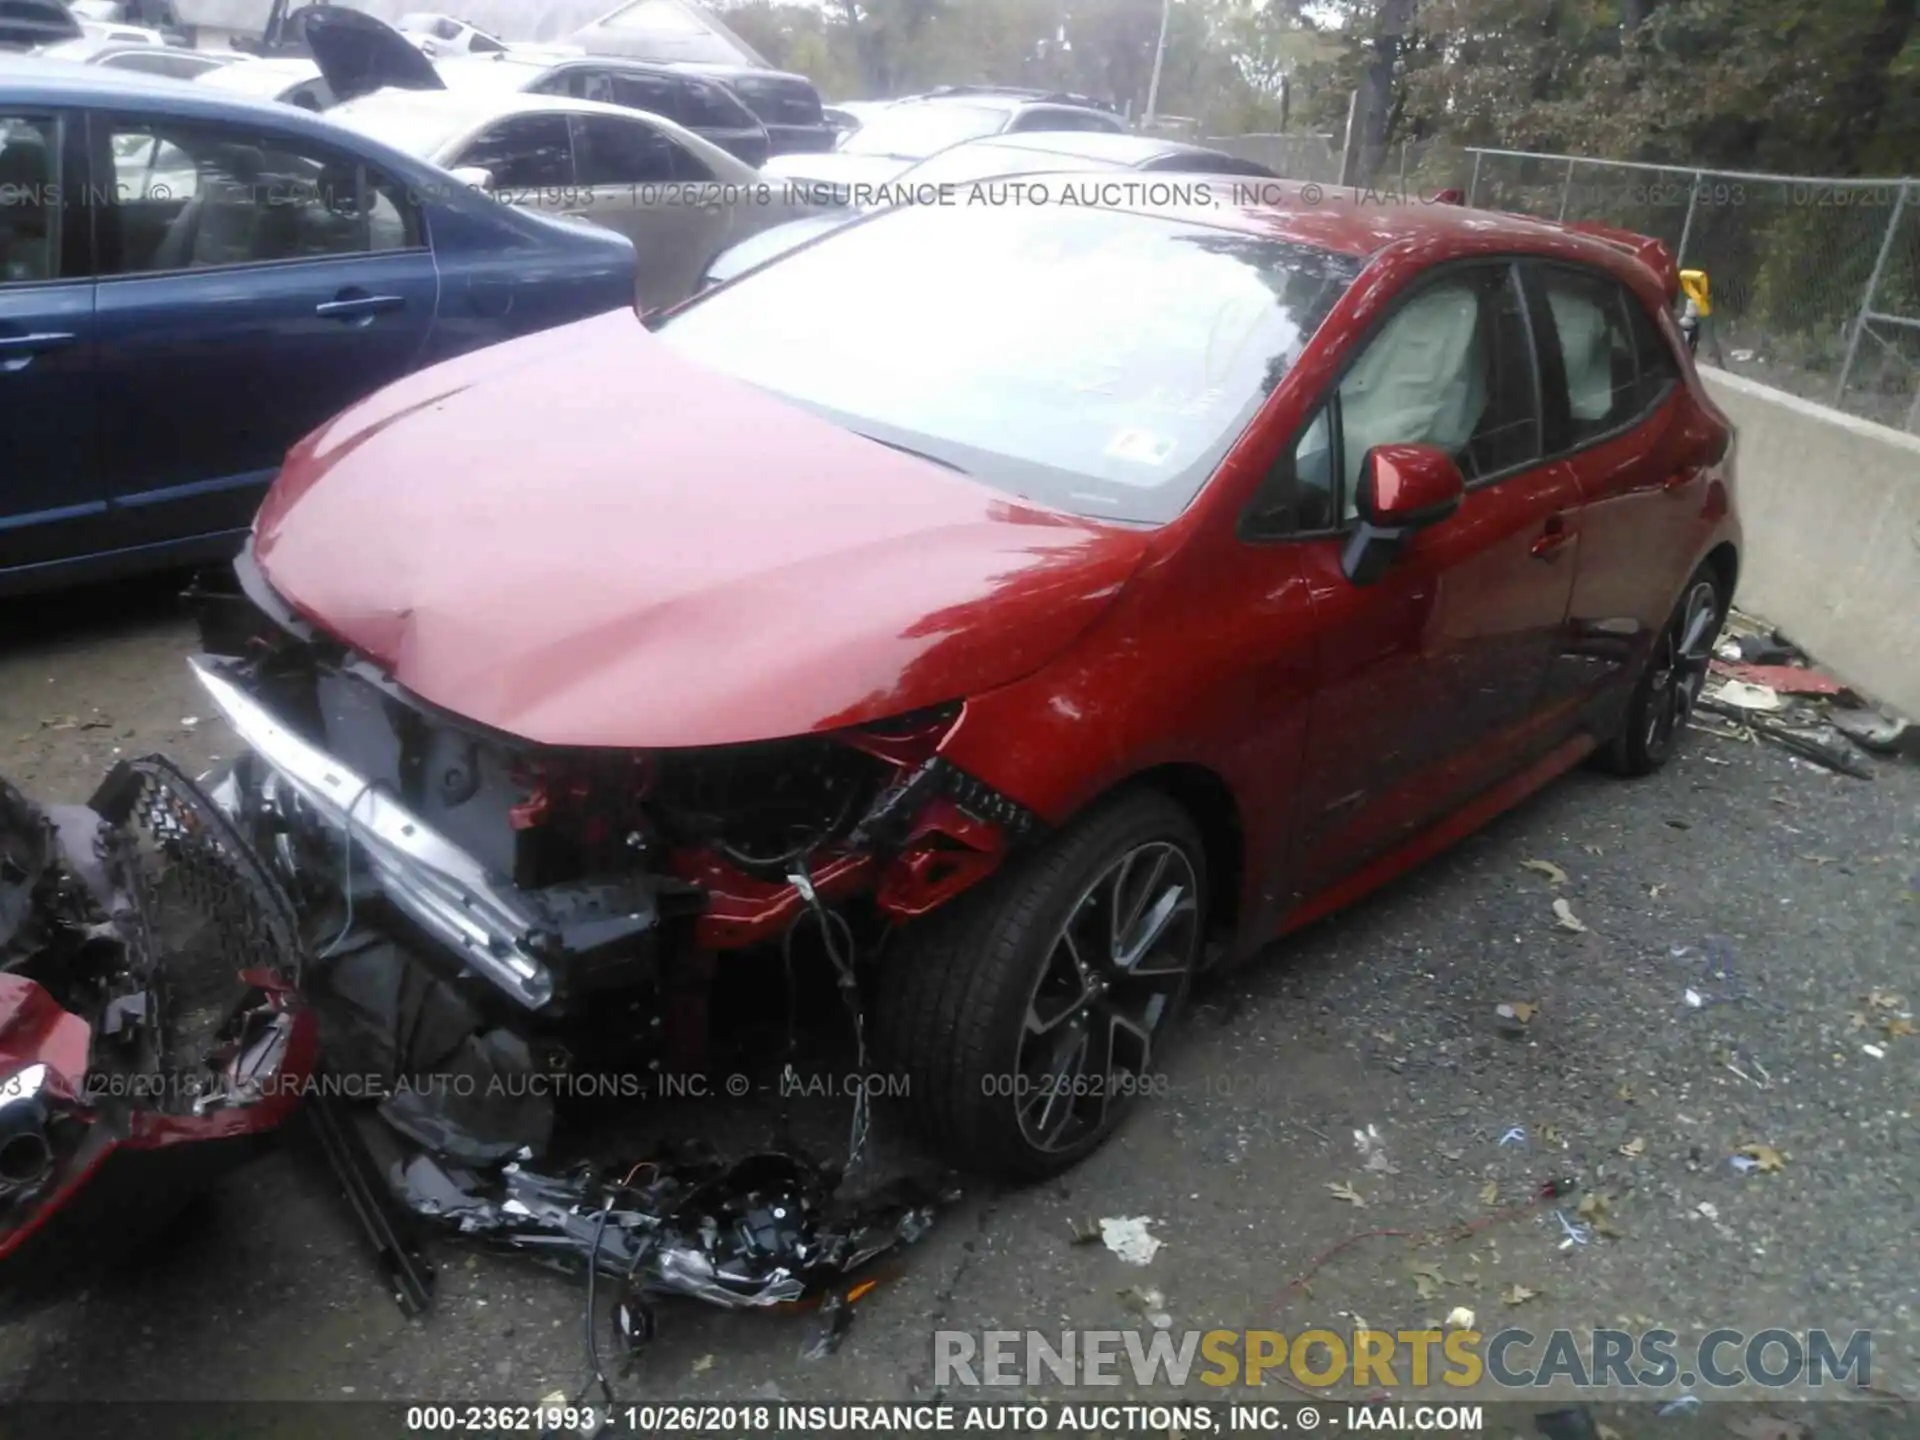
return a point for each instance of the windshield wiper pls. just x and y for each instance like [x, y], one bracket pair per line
[909, 450]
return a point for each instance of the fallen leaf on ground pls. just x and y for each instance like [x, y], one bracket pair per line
[1857, 1020]
[1518, 1294]
[1765, 1158]
[1547, 868]
[1597, 1211]
[1343, 1191]
[1881, 1000]
[703, 1364]
[1820, 859]
[1490, 1193]
[1625, 1092]
[1549, 1135]
[1654, 891]
[1634, 1147]
[1593, 849]
[1899, 1025]
[1520, 1010]
[1428, 1281]
[1565, 918]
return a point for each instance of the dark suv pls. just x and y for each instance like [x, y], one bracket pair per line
[787, 105]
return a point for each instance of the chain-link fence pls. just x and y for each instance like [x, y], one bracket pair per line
[1816, 282]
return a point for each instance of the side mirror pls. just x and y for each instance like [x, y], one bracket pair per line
[1403, 490]
[474, 177]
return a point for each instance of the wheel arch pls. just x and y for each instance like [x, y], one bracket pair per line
[1725, 560]
[1209, 802]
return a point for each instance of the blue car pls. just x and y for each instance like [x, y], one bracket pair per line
[190, 282]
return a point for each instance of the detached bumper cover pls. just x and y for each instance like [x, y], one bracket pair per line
[483, 920]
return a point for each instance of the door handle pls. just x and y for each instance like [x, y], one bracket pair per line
[34, 344]
[1555, 538]
[17, 351]
[358, 307]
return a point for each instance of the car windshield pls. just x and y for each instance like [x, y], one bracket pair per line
[913, 132]
[1094, 361]
[982, 160]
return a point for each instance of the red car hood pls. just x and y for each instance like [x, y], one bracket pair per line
[581, 539]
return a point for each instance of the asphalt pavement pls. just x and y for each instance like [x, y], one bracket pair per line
[1731, 972]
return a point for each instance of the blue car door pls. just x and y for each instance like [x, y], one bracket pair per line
[52, 503]
[253, 283]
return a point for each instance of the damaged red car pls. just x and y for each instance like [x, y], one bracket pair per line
[1040, 603]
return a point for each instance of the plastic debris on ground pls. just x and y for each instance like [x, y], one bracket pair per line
[1130, 1239]
[1765, 684]
[1373, 1151]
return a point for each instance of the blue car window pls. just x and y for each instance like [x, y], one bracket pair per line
[196, 195]
[29, 212]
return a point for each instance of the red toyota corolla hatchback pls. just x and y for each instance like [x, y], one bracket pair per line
[1070, 596]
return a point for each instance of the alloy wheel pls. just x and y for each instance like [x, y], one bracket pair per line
[1113, 976]
[1680, 666]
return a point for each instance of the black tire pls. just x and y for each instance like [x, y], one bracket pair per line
[1670, 681]
[957, 995]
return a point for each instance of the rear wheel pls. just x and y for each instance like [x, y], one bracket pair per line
[1029, 1015]
[1670, 685]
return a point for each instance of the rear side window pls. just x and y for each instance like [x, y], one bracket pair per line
[655, 94]
[1659, 371]
[631, 152]
[1590, 318]
[705, 106]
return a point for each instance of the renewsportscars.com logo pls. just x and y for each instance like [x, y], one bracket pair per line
[1511, 1359]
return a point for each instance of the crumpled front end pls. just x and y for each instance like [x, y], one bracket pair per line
[560, 875]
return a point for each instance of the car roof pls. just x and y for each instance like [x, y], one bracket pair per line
[513, 69]
[54, 81]
[259, 76]
[723, 71]
[1358, 223]
[463, 110]
[1111, 146]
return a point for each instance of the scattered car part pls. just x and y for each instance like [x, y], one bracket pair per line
[388, 1229]
[763, 1231]
[151, 1034]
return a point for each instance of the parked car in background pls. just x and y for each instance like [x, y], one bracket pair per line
[285, 79]
[787, 105]
[212, 278]
[1041, 602]
[34, 24]
[359, 55]
[173, 61]
[680, 199]
[442, 35]
[909, 131]
[996, 158]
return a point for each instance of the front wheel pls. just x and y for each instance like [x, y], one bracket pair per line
[1669, 687]
[1030, 1015]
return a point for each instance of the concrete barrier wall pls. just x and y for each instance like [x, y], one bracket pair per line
[1831, 508]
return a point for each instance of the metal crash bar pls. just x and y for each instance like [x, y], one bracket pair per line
[422, 872]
